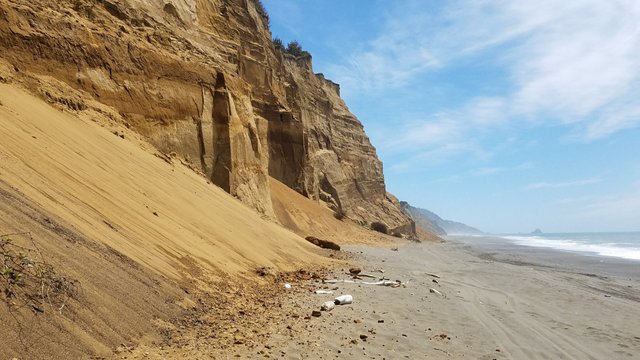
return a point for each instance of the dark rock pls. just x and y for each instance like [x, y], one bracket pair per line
[265, 271]
[325, 244]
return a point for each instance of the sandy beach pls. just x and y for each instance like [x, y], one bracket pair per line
[506, 303]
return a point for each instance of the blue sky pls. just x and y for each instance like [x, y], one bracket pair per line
[505, 115]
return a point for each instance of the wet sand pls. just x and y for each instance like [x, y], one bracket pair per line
[498, 302]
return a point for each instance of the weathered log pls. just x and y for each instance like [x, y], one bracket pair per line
[325, 244]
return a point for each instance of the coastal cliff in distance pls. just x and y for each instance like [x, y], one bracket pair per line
[434, 224]
[202, 81]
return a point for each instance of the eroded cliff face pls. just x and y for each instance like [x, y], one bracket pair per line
[201, 79]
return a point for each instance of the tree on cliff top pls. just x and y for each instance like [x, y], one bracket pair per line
[294, 48]
[278, 43]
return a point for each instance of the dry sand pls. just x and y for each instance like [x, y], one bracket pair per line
[149, 243]
[488, 309]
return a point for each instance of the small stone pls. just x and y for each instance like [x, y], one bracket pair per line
[355, 271]
[316, 313]
[328, 306]
[380, 321]
[363, 337]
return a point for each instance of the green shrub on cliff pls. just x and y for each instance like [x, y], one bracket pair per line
[294, 48]
[277, 43]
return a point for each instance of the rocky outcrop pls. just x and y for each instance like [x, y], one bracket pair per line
[202, 79]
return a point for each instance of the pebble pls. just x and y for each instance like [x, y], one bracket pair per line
[434, 291]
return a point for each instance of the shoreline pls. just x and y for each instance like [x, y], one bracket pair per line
[500, 249]
[509, 305]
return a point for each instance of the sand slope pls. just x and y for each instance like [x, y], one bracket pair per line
[127, 225]
[311, 218]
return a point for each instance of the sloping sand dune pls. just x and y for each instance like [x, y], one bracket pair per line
[129, 226]
[307, 217]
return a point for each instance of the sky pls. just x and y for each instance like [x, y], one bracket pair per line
[505, 115]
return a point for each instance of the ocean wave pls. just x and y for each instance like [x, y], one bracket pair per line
[602, 249]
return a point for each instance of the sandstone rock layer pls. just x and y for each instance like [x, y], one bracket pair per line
[201, 79]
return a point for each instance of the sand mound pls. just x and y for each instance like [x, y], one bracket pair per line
[138, 234]
[311, 218]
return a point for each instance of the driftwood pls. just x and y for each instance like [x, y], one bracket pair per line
[325, 244]
[396, 283]
[319, 291]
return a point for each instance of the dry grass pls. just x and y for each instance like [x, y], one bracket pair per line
[26, 280]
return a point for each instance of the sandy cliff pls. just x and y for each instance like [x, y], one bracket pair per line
[201, 79]
[129, 130]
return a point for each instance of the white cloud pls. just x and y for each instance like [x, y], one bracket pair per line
[441, 136]
[392, 58]
[613, 211]
[485, 171]
[555, 185]
[582, 62]
[430, 156]
[613, 120]
[574, 63]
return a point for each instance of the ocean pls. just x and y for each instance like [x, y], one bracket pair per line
[624, 245]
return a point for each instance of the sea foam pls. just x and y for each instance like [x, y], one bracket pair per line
[625, 251]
